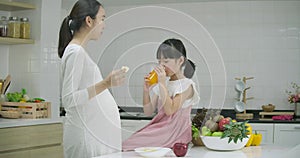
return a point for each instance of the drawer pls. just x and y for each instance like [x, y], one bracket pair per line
[46, 152]
[30, 136]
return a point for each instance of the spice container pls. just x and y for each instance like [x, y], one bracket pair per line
[14, 27]
[24, 28]
[3, 27]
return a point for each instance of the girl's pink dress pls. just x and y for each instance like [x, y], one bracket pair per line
[163, 130]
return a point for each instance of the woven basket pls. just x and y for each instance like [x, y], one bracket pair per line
[197, 142]
[10, 114]
[268, 108]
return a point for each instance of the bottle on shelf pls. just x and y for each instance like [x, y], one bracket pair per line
[3, 26]
[14, 27]
[24, 28]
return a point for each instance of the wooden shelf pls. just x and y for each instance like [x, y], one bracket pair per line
[6, 5]
[15, 6]
[12, 41]
[268, 115]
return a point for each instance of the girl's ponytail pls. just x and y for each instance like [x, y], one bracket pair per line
[189, 69]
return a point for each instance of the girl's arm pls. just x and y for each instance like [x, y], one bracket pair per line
[172, 105]
[148, 104]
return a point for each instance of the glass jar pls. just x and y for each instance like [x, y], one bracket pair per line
[14, 27]
[24, 28]
[3, 27]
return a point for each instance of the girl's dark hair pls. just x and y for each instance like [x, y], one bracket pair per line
[174, 49]
[73, 22]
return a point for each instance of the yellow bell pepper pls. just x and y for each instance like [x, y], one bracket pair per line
[250, 140]
[249, 128]
[256, 139]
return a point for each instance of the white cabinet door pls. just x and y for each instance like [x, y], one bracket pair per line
[131, 126]
[287, 134]
[266, 129]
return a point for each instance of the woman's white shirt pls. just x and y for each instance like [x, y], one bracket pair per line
[90, 124]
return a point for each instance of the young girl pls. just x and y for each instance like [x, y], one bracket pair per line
[173, 100]
[92, 122]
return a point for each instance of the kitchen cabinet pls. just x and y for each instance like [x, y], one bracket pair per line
[278, 133]
[32, 141]
[15, 6]
[287, 134]
[267, 131]
[131, 126]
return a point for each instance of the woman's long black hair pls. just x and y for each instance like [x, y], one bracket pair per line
[174, 49]
[73, 22]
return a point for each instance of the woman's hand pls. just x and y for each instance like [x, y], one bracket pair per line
[116, 78]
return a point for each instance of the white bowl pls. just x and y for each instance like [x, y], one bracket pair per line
[216, 143]
[152, 151]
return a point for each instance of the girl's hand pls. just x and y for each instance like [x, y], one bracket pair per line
[146, 83]
[116, 78]
[161, 73]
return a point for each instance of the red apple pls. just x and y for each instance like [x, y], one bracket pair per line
[180, 149]
[223, 122]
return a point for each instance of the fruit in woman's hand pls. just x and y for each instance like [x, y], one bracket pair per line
[125, 68]
[223, 122]
[180, 149]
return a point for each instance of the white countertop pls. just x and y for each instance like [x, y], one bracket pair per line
[263, 151]
[4, 123]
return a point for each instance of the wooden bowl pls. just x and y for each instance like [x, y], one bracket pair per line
[268, 108]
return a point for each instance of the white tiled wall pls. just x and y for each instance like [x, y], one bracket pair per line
[35, 66]
[255, 38]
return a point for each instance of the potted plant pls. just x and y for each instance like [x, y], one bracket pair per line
[294, 98]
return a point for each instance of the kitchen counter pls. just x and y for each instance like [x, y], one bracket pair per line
[136, 113]
[262, 151]
[4, 123]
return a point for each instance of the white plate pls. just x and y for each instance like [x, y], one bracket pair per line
[152, 151]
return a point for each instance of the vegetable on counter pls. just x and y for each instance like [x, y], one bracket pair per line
[254, 140]
[22, 97]
[250, 140]
[257, 137]
[195, 132]
[235, 131]
[36, 100]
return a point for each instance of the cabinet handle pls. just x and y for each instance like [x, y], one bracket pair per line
[297, 127]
